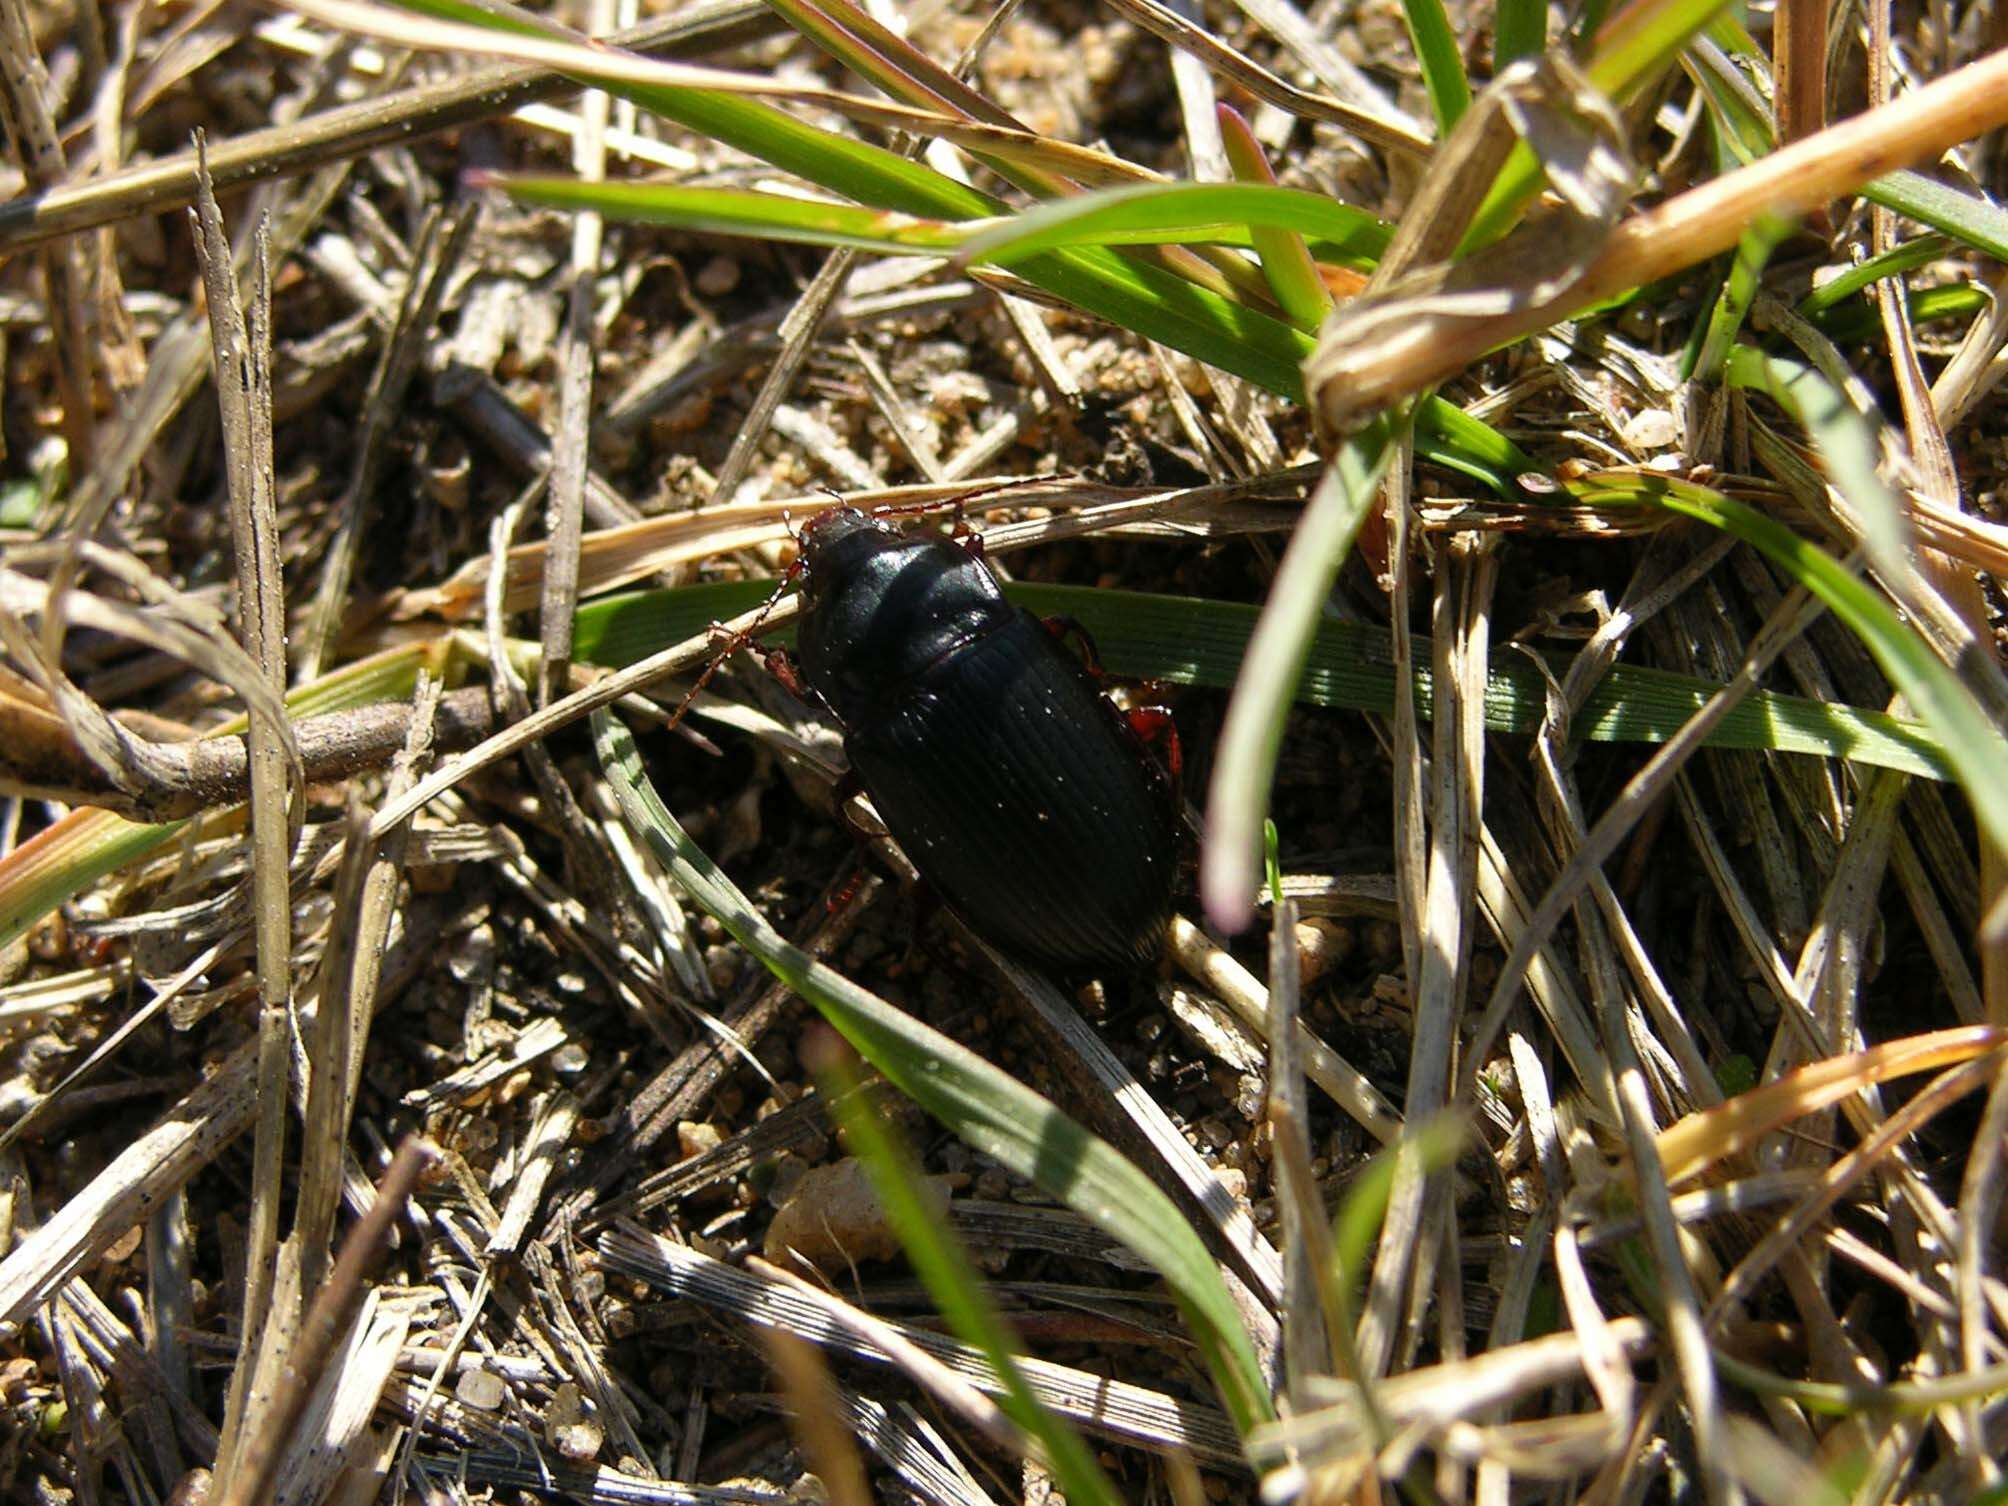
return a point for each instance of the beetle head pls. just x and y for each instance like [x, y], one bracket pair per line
[880, 606]
[834, 544]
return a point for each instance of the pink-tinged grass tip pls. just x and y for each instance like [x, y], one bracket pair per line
[1227, 878]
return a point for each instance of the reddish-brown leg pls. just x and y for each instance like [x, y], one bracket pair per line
[847, 891]
[1154, 725]
[782, 666]
[1069, 629]
[970, 540]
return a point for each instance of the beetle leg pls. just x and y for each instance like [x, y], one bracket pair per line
[848, 787]
[968, 538]
[923, 904]
[1153, 724]
[782, 666]
[1069, 628]
[844, 893]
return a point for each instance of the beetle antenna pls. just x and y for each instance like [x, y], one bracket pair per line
[738, 640]
[958, 503]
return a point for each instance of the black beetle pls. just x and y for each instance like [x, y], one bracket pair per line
[1020, 793]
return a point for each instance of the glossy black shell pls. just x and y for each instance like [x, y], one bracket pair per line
[1020, 794]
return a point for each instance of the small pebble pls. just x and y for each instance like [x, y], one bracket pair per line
[482, 1390]
[717, 277]
[693, 1138]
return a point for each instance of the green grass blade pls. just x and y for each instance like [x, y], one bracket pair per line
[951, 1279]
[1081, 268]
[996, 1114]
[734, 211]
[1096, 278]
[1728, 32]
[1520, 30]
[1186, 640]
[1170, 310]
[885, 59]
[860, 171]
[1286, 260]
[1172, 213]
[1742, 117]
[905, 73]
[1974, 743]
[1191, 641]
[1967, 218]
[856, 169]
[1975, 749]
[1847, 444]
[1237, 796]
[496, 15]
[1642, 40]
[1633, 48]
[1448, 436]
[1738, 292]
[1442, 63]
[59, 863]
[1856, 279]
[1859, 321]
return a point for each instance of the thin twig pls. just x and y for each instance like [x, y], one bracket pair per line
[39, 758]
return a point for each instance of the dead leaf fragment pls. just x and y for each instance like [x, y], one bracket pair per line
[835, 1217]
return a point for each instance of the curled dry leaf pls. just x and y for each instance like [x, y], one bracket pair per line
[1421, 292]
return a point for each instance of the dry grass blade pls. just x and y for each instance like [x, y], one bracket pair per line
[40, 760]
[1116, 1409]
[1440, 1396]
[946, 1386]
[913, 1449]
[797, 333]
[152, 1166]
[1418, 296]
[1875, 1152]
[1791, 618]
[240, 341]
[599, 60]
[25, 96]
[365, 897]
[1698, 1219]
[334, 1307]
[68, 735]
[689, 654]
[351, 131]
[1347, 1086]
[1932, 456]
[1708, 220]
[1687, 1148]
[814, 1413]
[566, 489]
[1142, 1117]
[1799, 64]
[1313, 1335]
[438, 250]
[1441, 924]
[1383, 130]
